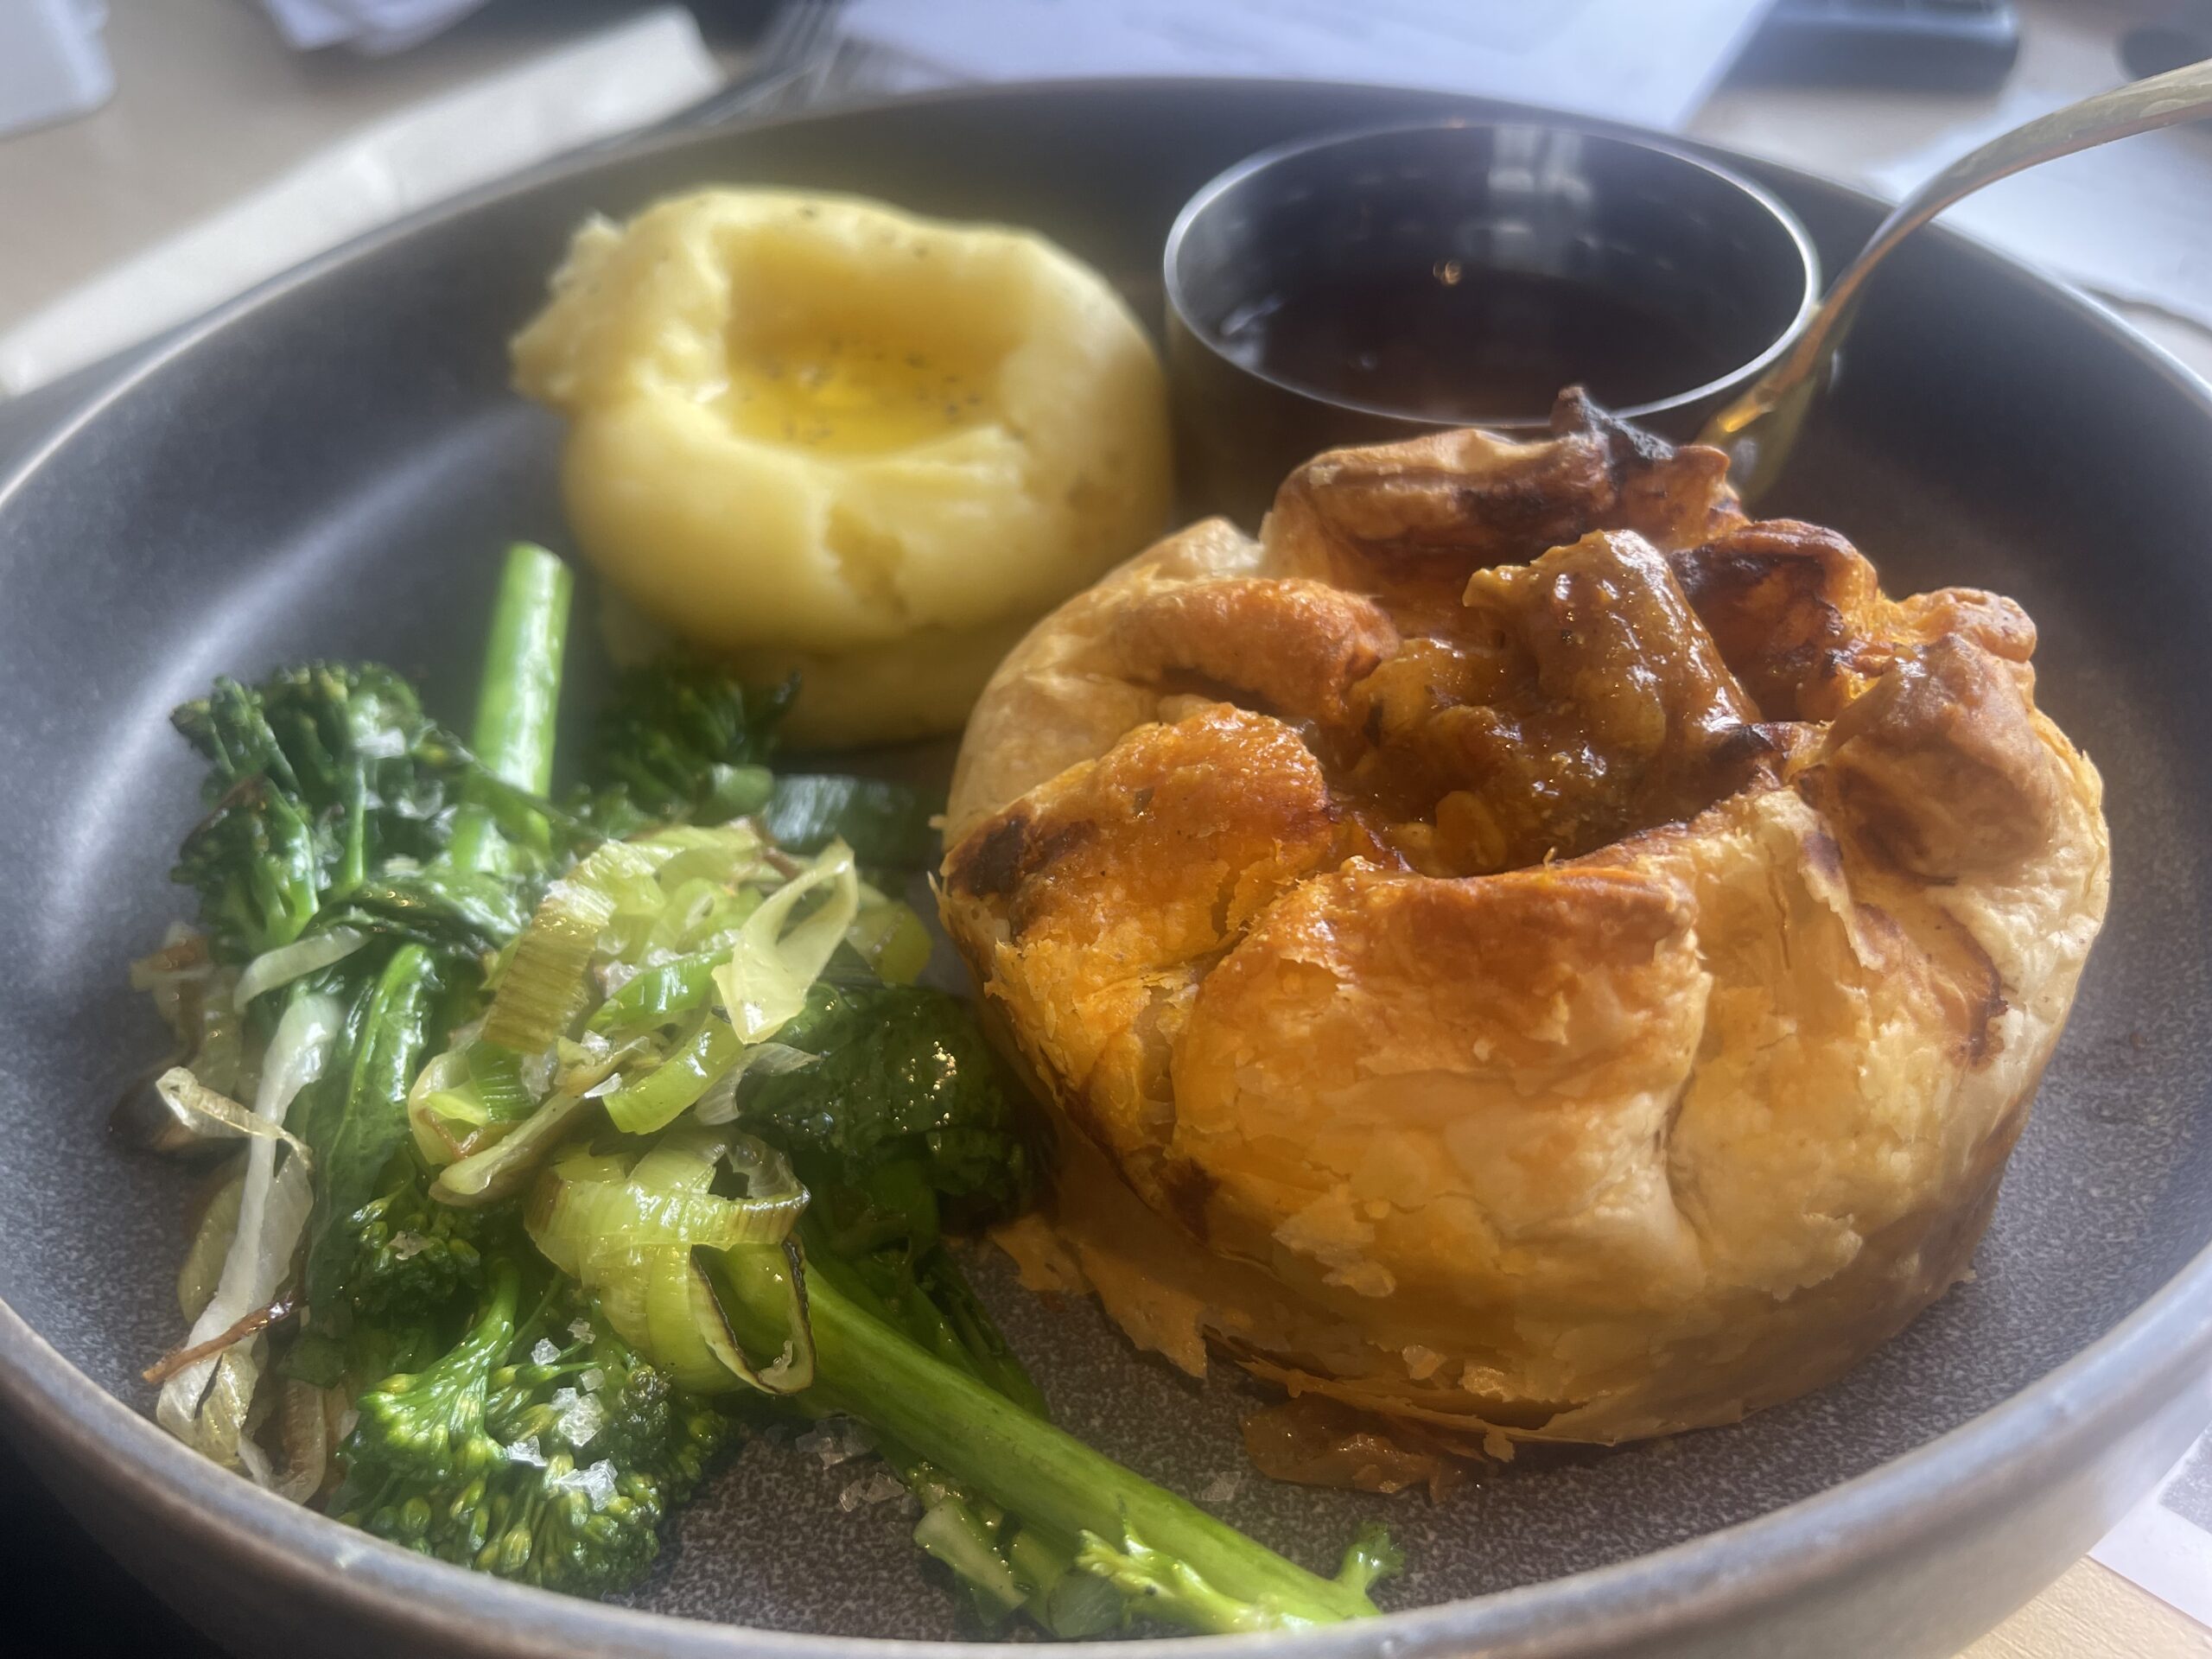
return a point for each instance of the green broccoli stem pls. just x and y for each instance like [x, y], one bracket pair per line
[1207, 1574]
[931, 1304]
[947, 1295]
[354, 1129]
[516, 703]
[944, 1319]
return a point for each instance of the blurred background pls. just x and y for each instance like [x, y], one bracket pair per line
[157, 157]
[160, 156]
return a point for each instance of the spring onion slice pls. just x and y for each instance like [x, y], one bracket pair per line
[725, 853]
[792, 1369]
[585, 1202]
[571, 1217]
[892, 940]
[698, 909]
[500, 1169]
[496, 1073]
[678, 1315]
[630, 1240]
[765, 981]
[728, 857]
[680, 1165]
[768, 1179]
[542, 986]
[205, 1404]
[658, 1097]
[555, 1239]
[305, 1432]
[290, 962]
[444, 1114]
[658, 993]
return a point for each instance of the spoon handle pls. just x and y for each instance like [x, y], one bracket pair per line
[2179, 95]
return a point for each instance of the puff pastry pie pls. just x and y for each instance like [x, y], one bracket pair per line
[1521, 948]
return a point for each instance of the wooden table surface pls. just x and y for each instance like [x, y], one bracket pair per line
[2093, 1613]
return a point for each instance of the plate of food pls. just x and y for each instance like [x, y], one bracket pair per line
[705, 969]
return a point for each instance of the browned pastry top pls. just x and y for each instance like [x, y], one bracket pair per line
[1522, 946]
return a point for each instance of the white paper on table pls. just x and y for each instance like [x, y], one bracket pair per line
[648, 66]
[1625, 60]
[2132, 220]
[372, 26]
[2166, 1543]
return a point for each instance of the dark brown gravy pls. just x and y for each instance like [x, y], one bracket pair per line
[1471, 346]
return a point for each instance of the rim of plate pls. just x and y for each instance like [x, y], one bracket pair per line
[2145, 1361]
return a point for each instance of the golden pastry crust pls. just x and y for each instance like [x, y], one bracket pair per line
[1521, 948]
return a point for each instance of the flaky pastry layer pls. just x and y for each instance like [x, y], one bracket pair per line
[1520, 947]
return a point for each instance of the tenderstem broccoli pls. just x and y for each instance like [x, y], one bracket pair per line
[531, 1424]
[1167, 1558]
[554, 1468]
[679, 738]
[539, 1447]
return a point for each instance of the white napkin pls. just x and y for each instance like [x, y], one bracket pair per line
[643, 69]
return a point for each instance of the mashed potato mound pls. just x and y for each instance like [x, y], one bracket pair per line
[812, 432]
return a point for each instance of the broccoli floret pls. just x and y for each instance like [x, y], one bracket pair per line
[406, 1271]
[316, 777]
[554, 1466]
[413, 1258]
[679, 737]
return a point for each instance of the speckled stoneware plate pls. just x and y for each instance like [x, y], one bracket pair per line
[327, 467]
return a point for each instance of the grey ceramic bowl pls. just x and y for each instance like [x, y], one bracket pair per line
[1694, 251]
[330, 466]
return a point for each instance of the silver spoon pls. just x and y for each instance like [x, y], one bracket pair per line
[1760, 429]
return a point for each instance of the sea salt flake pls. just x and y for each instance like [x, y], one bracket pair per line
[599, 1484]
[580, 1329]
[582, 1419]
[881, 1487]
[407, 1246]
[595, 1483]
[838, 1440]
[593, 1380]
[1222, 1488]
[526, 1451]
[537, 1072]
[544, 1353]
